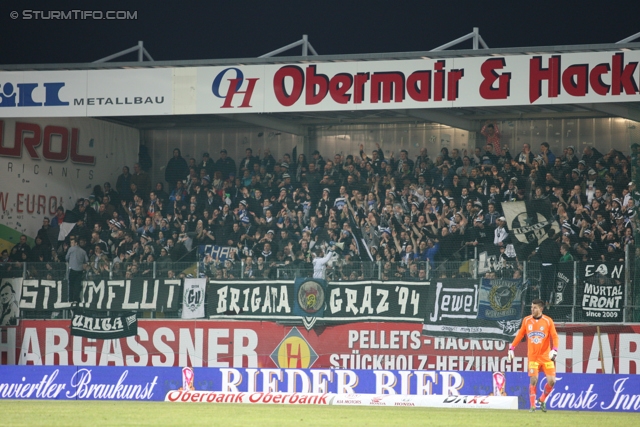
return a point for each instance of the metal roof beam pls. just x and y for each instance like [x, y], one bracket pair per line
[629, 39]
[617, 110]
[304, 42]
[474, 35]
[327, 58]
[142, 52]
[268, 122]
[443, 118]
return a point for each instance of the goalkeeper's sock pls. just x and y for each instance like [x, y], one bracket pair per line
[532, 396]
[547, 391]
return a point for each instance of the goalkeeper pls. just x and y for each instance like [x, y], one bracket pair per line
[542, 345]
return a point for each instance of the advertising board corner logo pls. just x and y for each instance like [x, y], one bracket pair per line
[187, 379]
[31, 94]
[294, 352]
[234, 86]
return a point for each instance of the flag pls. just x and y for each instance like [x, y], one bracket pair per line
[530, 224]
[340, 203]
[193, 298]
[501, 299]
[363, 249]
[107, 327]
[10, 295]
[462, 308]
[65, 228]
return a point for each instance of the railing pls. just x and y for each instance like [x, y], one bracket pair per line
[533, 274]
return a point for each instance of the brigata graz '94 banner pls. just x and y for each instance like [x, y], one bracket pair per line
[260, 344]
[482, 81]
[576, 392]
[340, 301]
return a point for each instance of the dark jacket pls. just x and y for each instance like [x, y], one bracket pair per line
[177, 169]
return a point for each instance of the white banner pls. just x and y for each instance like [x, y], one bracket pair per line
[428, 401]
[485, 81]
[47, 163]
[193, 298]
[10, 294]
[88, 93]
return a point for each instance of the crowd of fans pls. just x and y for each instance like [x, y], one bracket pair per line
[402, 210]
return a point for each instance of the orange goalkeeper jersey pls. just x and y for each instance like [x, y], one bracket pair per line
[540, 333]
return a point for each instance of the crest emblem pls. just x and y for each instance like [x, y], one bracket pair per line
[311, 296]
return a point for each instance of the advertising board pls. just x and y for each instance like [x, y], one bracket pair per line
[362, 345]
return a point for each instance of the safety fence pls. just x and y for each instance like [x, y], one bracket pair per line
[567, 288]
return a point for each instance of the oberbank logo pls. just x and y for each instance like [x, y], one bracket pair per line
[234, 87]
[294, 352]
[31, 95]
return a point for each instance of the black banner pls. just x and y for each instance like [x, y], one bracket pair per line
[563, 290]
[44, 295]
[271, 300]
[344, 301]
[376, 301]
[601, 292]
[530, 224]
[163, 295]
[464, 308]
[86, 325]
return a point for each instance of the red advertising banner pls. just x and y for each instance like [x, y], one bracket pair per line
[378, 346]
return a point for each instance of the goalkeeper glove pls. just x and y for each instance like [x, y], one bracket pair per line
[552, 354]
[511, 353]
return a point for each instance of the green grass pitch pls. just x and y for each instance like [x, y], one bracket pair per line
[109, 413]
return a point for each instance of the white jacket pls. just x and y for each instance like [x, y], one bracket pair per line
[499, 235]
[319, 265]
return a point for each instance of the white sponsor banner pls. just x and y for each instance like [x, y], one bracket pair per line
[240, 397]
[392, 400]
[133, 92]
[587, 77]
[47, 163]
[428, 401]
[86, 93]
[454, 82]
[42, 93]
[193, 298]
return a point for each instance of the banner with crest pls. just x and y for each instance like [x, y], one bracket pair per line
[466, 308]
[529, 224]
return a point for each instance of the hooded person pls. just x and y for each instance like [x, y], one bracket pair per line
[177, 168]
